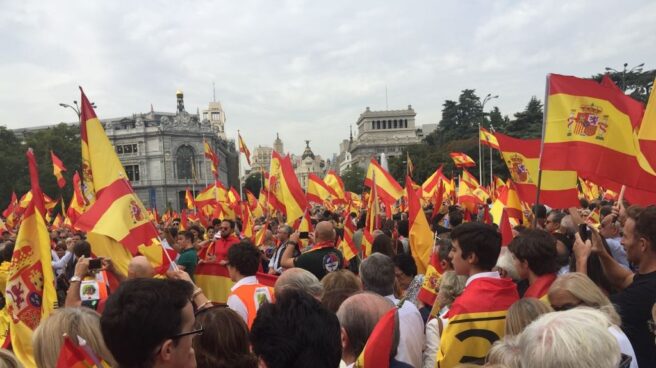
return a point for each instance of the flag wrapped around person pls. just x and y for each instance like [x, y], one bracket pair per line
[30, 289]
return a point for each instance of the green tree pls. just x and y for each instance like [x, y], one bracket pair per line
[353, 178]
[459, 119]
[253, 183]
[13, 164]
[496, 120]
[527, 123]
[635, 82]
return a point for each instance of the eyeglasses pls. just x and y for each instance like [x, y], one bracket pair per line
[564, 307]
[198, 331]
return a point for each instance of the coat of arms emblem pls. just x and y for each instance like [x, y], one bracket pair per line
[518, 169]
[587, 121]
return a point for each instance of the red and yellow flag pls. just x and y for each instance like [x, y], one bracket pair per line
[76, 206]
[189, 199]
[116, 221]
[72, 355]
[58, 168]
[347, 246]
[378, 348]
[214, 159]
[317, 190]
[488, 139]
[594, 129]
[367, 242]
[259, 236]
[288, 190]
[421, 236]
[30, 290]
[9, 212]
[462, 160]
[387, 188]
[558, 188]
[243, 149]
[409, 165]
[334, 182]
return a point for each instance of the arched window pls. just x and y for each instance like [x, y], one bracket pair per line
[184, 159]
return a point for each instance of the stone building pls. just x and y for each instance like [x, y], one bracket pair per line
[162, 152]
[308, 163]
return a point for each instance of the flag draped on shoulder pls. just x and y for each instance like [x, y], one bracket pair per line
[378, 348]
[462, 160]
[558, 186]
[30, 290]
[58, 168]
[476, 320]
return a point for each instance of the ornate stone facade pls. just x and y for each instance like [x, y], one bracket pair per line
[308, 163]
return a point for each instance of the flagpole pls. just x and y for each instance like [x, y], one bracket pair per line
[204, 161]
[480, 166]
[544, 127]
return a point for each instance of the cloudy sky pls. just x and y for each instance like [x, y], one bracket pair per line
[305, 69]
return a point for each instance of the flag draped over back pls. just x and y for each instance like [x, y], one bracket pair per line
[58, 168]
[30, 290]
[558, 188]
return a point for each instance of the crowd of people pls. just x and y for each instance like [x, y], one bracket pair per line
[561, 294]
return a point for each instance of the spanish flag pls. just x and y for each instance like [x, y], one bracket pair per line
[260, 234]
[9, 212]
[378, 348]
[421, 236]
[595, 129]
[30, 290]
[189, 199]
[429, 289]
[462, 160]
[507, 200]
[388, 189]
[318, 191]
[58, 168]
[243, 149]
[488, 139]
[214, 159]
[288, 189]
[409, 165]
[558, 188]
[347, 246]
[334, 182]
[77, 205]
[115, 220]
[214, 280]
[476, 320]
[72, 355]
[367, 242]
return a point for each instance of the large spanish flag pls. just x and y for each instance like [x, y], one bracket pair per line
[215, 281]
[317, 190]
[287, 187]
[334, 182]
[421, 236]
[115, 214]
[378, 348]
[30, 290]
[388, 189]
[558, 188]
[476, 320]
[593, 128]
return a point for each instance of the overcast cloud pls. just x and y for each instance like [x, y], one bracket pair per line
[305, 69]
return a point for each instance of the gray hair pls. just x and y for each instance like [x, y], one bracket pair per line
[301, 279]
[288, 229]
[506, 263]
[505, 352]
[377, 274]
[562, 340]
[451, 286]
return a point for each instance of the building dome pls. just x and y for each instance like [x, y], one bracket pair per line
[308, 151]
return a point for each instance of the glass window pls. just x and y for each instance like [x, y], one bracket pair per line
[119, 149]
[184, 162]
[132, 172]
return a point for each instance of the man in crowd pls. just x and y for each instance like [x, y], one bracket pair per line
[283, 234]
[298, 278]
[296, 331]
[610, 230]
[217, 251]
[637, 291]
[534, 254]
[358, 316]
[322, 258]
[150, 323]
[188, 257]
[247, 295]
[478, 314]
[377, 274]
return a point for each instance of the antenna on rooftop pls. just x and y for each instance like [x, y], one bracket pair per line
[213, 92]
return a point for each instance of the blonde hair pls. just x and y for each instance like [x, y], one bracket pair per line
[581, 287]
[84, 322]
[451, 286]
[505, 353]
[522, 312]
[8, 360]
[563, 340]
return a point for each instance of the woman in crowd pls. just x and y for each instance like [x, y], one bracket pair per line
[337, 287]
[574, 290]
[407, 279]
[522, 313]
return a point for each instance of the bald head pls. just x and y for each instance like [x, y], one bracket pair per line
[140, 267]
[298, 278]
[324, 231]
[358, 316]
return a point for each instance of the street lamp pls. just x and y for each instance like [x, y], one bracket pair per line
[637, 69]
[75, 107]
[480, 153]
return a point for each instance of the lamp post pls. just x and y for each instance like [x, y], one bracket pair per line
[480, 152]
[75, 107]
[637, 69]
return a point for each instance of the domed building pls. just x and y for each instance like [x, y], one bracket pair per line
[307, 164]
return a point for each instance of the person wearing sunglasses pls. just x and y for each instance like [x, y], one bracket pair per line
[151, 323]
[574, 290]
